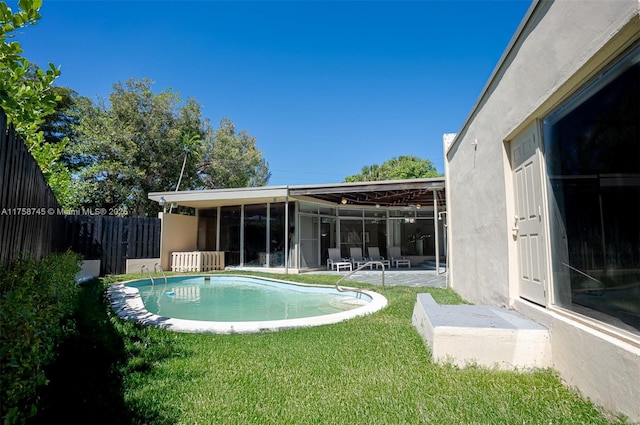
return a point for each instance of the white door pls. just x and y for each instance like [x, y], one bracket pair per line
[528, 224]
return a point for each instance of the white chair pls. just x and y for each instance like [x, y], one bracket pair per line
[397, 259]
[335, 261]
[374, 255]
[357, 259]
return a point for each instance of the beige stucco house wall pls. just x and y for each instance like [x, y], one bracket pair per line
[178, 233]
[558, 47]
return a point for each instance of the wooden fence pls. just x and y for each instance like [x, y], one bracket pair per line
[113, 240]
[197, 261]
[31, 220]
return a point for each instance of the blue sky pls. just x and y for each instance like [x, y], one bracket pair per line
[326, 87]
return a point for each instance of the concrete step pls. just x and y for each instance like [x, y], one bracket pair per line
[481, 335]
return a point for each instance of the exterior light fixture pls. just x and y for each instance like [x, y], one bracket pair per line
[343, 201]
[417, 206]
[377, 205]
[163, 203]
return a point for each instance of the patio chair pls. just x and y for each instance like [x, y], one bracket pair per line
[335, 261]
[374, 255]
[357, 259]
[397, 259]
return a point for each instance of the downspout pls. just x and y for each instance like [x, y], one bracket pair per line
[286, 233]
[218, 228]
[242, 236]
[436, 230]
[268, 235]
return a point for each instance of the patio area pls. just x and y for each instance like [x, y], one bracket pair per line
[422, 274]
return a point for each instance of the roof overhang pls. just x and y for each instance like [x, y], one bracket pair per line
[384, 194]
[221, 197]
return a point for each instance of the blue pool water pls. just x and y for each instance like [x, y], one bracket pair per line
[242, 298]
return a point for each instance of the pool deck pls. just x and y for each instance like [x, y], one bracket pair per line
[423, 275]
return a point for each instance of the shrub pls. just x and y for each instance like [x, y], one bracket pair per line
[36, 303]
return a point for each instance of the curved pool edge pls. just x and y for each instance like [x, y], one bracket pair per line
[127, 303]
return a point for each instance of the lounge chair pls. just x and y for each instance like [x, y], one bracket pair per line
[374, 255]
[397, 259]
[357, 259]
[336, 262]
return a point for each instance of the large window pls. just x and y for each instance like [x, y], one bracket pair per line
[207, 229]
[230, 234]
[255, 235]
[277, 235]
[592, 150]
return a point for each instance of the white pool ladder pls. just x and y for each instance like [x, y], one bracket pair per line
[367, 264]
[144, 266]
[157, 266]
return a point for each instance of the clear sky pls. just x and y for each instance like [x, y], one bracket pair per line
[326, 87]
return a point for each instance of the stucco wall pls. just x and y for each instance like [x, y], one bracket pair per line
[560, 44]
[601, 366]
[179, 233]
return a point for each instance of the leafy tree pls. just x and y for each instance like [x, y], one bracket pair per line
[122, 151]
[231, 159]
[61, 123]
[26, 95]
[399, 168]
[144, 142]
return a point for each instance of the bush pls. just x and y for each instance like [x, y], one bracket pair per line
[36, 304]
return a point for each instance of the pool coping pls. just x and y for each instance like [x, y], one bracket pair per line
[127, 303]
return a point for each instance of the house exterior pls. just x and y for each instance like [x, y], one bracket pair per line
[543, 192]
[289, 229]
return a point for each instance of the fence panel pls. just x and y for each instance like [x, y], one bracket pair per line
[197, 261]
[113, 240]
[31, 221]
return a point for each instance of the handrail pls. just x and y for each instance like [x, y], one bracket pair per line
[367, 264]
[157, 266]
[144, 266]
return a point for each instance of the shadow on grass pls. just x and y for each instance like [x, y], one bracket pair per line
[86, 381]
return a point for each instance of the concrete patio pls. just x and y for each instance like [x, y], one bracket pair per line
[423, 274]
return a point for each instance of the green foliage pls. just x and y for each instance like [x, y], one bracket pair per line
[26, 95]
[139, 142]
[37, 300]
[231, 159]
[399, 168]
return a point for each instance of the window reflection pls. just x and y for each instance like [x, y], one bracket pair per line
[592, 150]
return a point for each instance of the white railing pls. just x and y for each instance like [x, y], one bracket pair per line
[197, 261]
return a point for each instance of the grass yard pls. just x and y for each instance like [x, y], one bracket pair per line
[369, 370]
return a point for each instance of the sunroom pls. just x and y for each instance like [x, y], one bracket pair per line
[289, 229]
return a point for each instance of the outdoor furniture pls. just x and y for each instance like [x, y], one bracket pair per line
[374, 255]
[357, 259]
[335, 261]
[397, 259]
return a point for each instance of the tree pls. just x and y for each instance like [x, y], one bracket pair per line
[26, 95]
[61, 123]
[232, 160]
[399, 168]
[146, 142]
[122, 151]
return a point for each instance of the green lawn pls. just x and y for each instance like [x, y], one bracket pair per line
[369, 370]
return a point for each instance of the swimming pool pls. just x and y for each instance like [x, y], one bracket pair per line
[237, 303]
